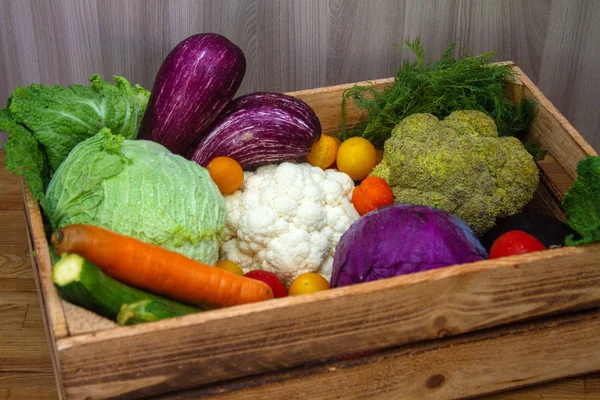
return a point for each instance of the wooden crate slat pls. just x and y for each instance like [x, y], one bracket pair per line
[52, 313]
[42, 265]
[465, 366]
[553, 130]
[326, 103]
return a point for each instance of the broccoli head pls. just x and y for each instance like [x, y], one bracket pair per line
[459, 165]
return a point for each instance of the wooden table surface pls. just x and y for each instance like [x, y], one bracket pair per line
[25, 368]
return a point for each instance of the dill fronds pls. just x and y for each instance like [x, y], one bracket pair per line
[439, 88]
[534, 148]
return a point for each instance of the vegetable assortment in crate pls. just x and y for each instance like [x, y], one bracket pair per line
[410, 273]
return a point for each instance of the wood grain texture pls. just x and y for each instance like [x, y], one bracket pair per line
[326, 102]
[43, 269]
[570, 388]
[553, 131]
[574, 45]
[15, 258]
[12, 197]
[361, 40]
[25, 367]
[515, 30]
[301, 44]
[55, 325]
[592, 383]
[468, 365]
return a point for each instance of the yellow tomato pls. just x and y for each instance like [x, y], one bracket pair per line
[226, 173]
[309, 282]
[356, 157]
[230, 266]
[323, 152]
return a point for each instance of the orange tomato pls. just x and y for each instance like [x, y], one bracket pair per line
[230, 266]
[309, 282]
[356, 157]
[323, 152]
[371, 194]
[226, 173]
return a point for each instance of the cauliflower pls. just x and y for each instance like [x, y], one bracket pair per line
[459, 165]
[288, 219]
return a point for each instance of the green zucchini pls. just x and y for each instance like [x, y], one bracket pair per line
[146, 311]
[82, 283]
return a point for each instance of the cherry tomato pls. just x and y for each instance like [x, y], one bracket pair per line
[356, 157]
[309, 282]
[324, 152]
[226, 173]
[270, 279]
[515, 242]
[230, 266]
[371, 194]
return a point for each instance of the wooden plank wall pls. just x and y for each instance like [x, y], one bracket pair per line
[300, 44]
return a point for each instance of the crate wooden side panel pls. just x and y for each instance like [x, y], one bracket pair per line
[468, 365]
[257, 338]
[51, 310]
[326, 102]
[43, 267]
[553, 130]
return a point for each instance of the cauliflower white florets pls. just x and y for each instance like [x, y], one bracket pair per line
[288, 219]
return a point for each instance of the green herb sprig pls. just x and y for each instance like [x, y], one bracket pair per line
[439, 88]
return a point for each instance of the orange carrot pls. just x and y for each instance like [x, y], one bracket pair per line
[158, 270]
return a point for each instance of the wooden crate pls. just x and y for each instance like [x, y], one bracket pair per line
[459, 331]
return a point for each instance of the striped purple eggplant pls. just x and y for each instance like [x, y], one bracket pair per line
[195, 82]
[259, 129]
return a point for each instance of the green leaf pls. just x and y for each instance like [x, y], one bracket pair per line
[24, 156]
[60, 117]
[582, 202]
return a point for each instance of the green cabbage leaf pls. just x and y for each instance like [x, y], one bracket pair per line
[140, 189]
[46, 122]
[24, 156]
[582, 203]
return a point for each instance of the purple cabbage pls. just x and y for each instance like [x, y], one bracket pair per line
[259, 129]
[195, 82]
[402, 239]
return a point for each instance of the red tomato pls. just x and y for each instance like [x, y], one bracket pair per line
[515, 242]
[270, 279]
